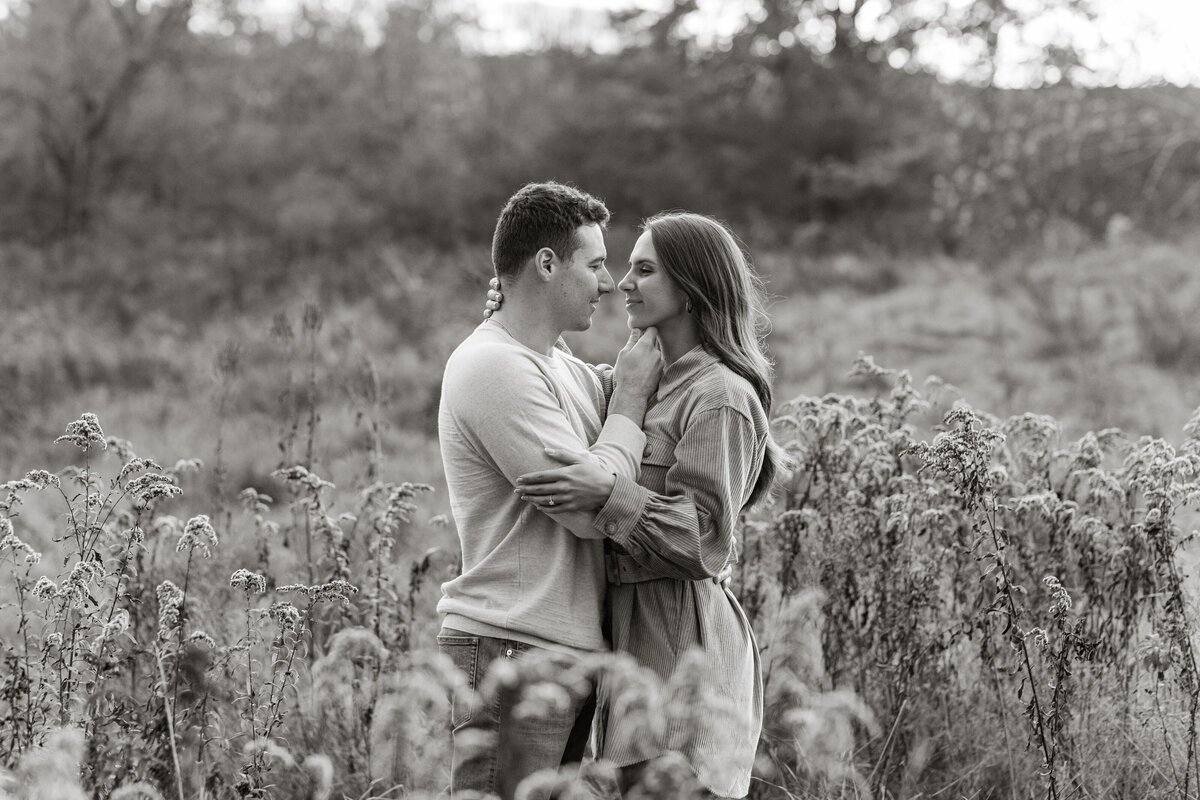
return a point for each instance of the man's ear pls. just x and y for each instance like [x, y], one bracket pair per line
[544, 263]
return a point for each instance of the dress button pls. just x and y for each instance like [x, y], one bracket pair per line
[646, 451]
[610, 527]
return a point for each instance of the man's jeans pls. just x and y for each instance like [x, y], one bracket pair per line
[520, 747]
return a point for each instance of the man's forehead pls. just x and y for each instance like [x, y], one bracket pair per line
[590, 239]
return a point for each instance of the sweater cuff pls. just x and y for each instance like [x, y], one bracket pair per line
[620, 446]
[622, 510]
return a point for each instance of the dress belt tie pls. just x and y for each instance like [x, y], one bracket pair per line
[620, 568]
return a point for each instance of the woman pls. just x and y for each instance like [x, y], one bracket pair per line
[671, 535]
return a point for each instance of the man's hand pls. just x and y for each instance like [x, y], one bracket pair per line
[637, 372]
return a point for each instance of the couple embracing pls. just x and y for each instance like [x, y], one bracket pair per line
[597, 506]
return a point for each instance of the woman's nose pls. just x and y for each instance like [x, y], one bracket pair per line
[626, 284]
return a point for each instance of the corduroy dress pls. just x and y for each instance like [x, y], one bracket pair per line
[669, 537]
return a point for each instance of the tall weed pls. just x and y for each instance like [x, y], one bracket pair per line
[982, 609]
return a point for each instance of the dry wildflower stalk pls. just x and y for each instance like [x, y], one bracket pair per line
[891, 529]
[863, 586]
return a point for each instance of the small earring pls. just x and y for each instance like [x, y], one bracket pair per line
[688, 306]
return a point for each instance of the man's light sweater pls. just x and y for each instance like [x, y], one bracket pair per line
[526, 575]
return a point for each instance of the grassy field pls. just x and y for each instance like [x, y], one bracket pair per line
[1096, 338]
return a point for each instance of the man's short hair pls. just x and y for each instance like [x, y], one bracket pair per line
[542, 215]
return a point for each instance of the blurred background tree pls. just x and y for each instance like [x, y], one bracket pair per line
[174, 168]
[814, 119]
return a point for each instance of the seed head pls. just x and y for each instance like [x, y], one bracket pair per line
[136, 465]
[152, 486]
[251, 582]
[254, 501]
[44, 589]
[270, 749]
[84, 432]
[75, 587]
[1041, 639]
[301, 476]
[118, 624]
[170, 598]
[166, 525]
[202, 638]
[41, 478]
[320, 771]
[136, 791]
[323, 592]
[285, 615]
[334, 590]
[186, 465]
[1060, 600]
[10, 541]
[542, 700]
[198, 533]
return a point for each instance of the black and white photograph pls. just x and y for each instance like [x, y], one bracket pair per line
[600, 399]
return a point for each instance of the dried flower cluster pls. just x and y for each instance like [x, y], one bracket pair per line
[983, 595]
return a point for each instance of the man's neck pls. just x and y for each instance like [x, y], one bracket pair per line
[530, 329]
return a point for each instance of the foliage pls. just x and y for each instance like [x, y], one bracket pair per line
[161, 682]
[915, 600]
[987, 576]
[129, 130]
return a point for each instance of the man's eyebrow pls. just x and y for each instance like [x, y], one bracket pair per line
[599, 259]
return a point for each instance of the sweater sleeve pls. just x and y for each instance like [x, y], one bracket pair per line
[688, 532]
[508, 410]
[607, 377]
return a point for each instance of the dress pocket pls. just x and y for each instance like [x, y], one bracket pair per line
[657, 458]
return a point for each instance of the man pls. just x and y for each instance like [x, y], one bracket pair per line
[530, 582]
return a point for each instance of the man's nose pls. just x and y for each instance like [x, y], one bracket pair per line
[606, 281]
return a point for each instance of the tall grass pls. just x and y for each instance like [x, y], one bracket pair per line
[986, 612]
[947, 603]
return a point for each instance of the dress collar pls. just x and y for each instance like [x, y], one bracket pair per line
[684, 370]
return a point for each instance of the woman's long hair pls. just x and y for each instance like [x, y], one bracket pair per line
[709, 266]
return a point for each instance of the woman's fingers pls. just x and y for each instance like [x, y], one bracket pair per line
[565, 456]
[550, 502]
[541, 489]
[554, 474]
[545, 476]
